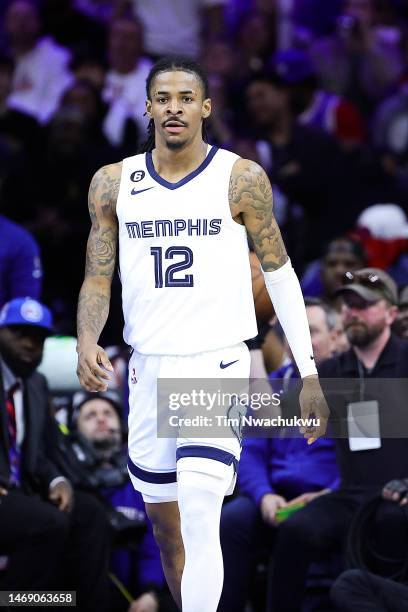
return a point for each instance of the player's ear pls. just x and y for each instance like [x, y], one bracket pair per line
[149, 108]
[206, 108]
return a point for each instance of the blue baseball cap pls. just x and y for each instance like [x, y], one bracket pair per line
[292, 66]
[26, 311]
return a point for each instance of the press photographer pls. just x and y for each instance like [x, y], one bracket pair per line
[95, 459]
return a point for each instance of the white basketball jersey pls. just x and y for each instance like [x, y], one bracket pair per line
[184, 265]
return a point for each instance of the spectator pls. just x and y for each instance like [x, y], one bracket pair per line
[315, 107]
[87, 66]
[125, 85]
[360, 591]
[181, 25]
[400, 326]
[47, 543]
[362, 59]
[304, 165]
[98, 420]
[70, 27]
[84, 97]
[19, 130]
[20, 263]
[365, 464]
[255, 39]
[322, 278]
[41, 73]
[325, 332]
[270, 478]
[57, 215]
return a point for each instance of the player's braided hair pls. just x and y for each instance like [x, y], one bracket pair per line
[173, 63]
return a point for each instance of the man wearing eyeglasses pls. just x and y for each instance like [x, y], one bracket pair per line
[372, 441]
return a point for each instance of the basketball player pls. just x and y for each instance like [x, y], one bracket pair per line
[180, 213]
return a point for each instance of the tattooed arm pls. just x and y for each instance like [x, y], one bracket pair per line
[94, 297]
[250, 196]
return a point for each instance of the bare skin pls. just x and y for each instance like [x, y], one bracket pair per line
[178, 107]
[165, 518]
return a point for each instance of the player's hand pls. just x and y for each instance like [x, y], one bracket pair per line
[62, 495]
[93, 368]
[3, 492]
[313, 405]
[270, 503]
[396, 491]
[147, 602]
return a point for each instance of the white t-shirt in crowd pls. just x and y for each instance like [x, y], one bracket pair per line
[40, 77]
[173, 27]
[126, 96]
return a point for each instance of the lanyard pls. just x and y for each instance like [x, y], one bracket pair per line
[361, 379]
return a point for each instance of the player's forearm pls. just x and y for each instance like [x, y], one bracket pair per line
[93, 309]
[287, 299]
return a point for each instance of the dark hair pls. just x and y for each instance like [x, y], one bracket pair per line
[172, 64]
[354, 246]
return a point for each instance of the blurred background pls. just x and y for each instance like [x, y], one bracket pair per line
[316, 91]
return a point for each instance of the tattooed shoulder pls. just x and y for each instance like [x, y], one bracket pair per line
[104, 189]
[250, 196]
[249, 186]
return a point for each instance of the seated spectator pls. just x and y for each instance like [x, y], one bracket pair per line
[98, 431]
[365, 463]
[255, 39]
[125, 85]
[362, 59]
[322, 278]
[304, 165]
[41, 73]
[54, 538]
[315, 107]
[180, 27]
[70, 27]
[56, 213]
[87, 66]
[270, 478]
[84, 97]
[400, 326]
[19, 130]
[20, 263]
[324, 332]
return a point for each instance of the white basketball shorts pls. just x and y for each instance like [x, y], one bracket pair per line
[153, 460]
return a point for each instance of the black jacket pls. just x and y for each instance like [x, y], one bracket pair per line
[40, 430]
[371, 468]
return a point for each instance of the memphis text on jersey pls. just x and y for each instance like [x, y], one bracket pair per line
[173, 227]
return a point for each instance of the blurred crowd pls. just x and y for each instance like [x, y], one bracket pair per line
[317, 93]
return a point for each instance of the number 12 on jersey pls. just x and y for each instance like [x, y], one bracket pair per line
[172, 269]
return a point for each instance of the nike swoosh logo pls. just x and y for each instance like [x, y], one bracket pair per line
[136, 191]
[225, 365]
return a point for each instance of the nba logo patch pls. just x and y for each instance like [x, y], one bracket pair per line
[133, 378]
